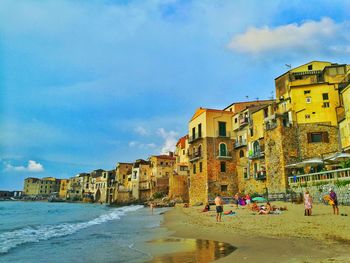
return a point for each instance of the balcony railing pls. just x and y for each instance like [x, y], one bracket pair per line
[326, 176]
[195, 156]
[256, 155]
[270, 125]
[194, 137]
[225, 156]
[240, 143]
[226, 134]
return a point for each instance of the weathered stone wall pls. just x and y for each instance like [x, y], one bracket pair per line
[124, 196]
[310, 150]
[178, 187]
[281, 148]
[216, 178]
[318, 192]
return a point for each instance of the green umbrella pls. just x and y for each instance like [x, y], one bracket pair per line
[259, 199]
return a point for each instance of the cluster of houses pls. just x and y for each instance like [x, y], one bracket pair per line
[251, 146]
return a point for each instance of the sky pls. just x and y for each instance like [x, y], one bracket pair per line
[87, 84]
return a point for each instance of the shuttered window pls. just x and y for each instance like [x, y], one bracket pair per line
[314, 137]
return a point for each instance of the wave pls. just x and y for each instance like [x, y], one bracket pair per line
[12, 239]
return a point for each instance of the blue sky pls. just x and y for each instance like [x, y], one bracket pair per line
[85, 84]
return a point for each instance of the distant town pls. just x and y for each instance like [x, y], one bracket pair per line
[273, 147]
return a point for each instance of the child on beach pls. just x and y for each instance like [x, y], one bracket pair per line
[334, 199]
[307, 203]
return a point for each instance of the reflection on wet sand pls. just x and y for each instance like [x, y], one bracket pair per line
[180, 250]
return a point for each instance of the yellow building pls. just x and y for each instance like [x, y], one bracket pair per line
[162, 167]
[344, 119]
[179, 179]
[63, 188]
[122, 172]
[31, 186]
[41, 187]
[248, 133]
[309, 93]
[212, 169]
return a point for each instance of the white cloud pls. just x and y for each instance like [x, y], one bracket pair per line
[141, 131]
[32, 166]
[170, 140]
[140, 145]
[308, 36]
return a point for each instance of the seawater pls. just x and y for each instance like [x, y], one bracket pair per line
[73, 232]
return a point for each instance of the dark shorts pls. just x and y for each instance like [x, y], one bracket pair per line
[335, 202]
[219, 209]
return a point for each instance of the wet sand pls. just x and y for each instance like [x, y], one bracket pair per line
[288, 237]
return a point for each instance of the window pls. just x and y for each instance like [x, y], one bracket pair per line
[200, 167]
[251, 132]
[223, 150]
[222, 128]
[183, 152]
[245, 173]
[325, 104]
[325, 96]
[307, 91]
[241, 154]
[193, 133]
[315, 137]
[235, 120]
[256, 147]
[307, 116]
[309, 67]
[123, 176]
[194, 168]
[199, 150]
[224, 188]
[199, 130]
[308, 99]
[255, 169]
[266, 112]
[223, 167]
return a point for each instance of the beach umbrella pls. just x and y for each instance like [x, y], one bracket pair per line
[259, 199]
[339, 157]
[312, 162]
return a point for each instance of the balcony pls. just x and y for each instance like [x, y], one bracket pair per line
[321, 177]
[256, 155]
[192, 138]
[240, 143]
[270, 125]
[226, 134]
[260, 175]
[243, 121]
[195, 156]
[226, 156]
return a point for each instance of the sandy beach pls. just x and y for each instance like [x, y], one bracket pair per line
[287, 237]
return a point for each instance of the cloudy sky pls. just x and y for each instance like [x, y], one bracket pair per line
[85, 84]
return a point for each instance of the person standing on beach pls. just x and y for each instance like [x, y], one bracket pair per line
[236, 199]
[334, 199]
[219, 207]
[307, 203]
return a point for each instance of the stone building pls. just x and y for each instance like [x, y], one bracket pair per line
[162, 167]
[41, 187]
[179, 179]
[344, 115]
[141, 180]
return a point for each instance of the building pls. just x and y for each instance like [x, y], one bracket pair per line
[35, 187]
[141, 183]
[303, 123]
[162, 167]
[212, 168]
[344, 118]
[63, 189]
[179, 180]
[111, 186]
[75, 187]
[100, 178]
[248, 134]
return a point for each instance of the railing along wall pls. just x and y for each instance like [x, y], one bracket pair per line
[326, 176]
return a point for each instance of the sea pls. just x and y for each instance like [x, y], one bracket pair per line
[74, 232]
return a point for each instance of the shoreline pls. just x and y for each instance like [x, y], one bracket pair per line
[289, 237]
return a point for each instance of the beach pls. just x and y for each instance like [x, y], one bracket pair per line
[286, 237]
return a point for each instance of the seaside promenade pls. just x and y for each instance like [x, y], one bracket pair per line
[287, 237]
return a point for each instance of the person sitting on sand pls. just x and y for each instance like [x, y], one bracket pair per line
[185, 205]
[206, 208]
[255, 207]
[265, 210]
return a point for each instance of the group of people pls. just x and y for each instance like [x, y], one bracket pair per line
[331, 199]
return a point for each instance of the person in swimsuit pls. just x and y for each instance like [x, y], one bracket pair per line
[333, 197]
[219, 207]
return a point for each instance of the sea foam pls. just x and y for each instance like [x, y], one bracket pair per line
[12, 239]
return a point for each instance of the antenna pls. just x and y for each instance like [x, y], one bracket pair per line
[288, 66]
[271, 96]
